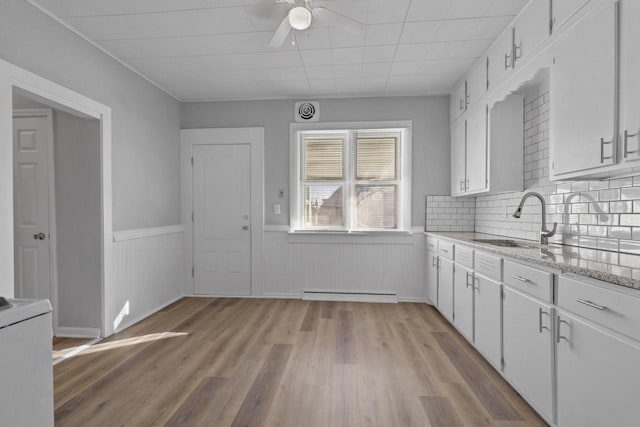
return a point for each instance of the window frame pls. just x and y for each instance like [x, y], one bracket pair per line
[402, 129]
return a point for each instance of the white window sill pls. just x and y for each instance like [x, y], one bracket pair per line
[354, 233]
[353, 237]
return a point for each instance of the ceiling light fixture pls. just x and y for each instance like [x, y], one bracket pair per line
[300, 18]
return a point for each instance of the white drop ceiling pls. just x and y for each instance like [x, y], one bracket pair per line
[217, 49]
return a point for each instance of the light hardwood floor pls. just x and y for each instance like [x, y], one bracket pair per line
[252, 362]
[62, 346]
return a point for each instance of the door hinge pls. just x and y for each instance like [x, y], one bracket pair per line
[192, 161]
[193, 272]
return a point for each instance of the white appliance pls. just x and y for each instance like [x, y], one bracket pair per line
[26, 371]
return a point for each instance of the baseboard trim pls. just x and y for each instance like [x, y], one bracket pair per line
[412, 299]
[346, 296]
[71, 332]
[130, 322]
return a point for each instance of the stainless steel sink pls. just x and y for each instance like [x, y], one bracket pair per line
[505, 243]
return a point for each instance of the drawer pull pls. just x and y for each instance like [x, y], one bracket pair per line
[469, 275]
[540, 326]
[433, 261]
[559, 336]
[591, 304]
[445, 251]
[521, 279]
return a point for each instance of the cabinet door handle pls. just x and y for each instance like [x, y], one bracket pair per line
[467, 100]
[462, 104]
[602, 144]
[517, 51]
[476, 279]
[462, 185]
[466, 185]
[469, 275]
[628, 135]
[559, 336]
[592, 304]
[521, 279]
[540, 325]
[507, 57]
[433, 261]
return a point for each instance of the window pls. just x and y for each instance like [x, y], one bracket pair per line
[350, 180]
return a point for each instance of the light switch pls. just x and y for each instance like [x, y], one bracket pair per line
[276, 209]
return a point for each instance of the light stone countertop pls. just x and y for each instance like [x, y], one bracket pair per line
[612, 267]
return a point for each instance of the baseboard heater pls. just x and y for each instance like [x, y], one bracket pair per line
[350, 296]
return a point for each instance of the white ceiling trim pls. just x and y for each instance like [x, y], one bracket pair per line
[102, 49]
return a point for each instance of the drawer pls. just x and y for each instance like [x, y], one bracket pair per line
[464, 256]
[432, 244]
[537, 283]
[613, 309]
[445, 248]
[488, 266]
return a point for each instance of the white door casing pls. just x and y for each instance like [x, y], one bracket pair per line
[221, 202]
[32, 137]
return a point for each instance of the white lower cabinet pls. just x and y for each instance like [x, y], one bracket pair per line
[445, 288]
[488, 318]
[463, 301]
[598, 377]
[528, 349]
[432, 278]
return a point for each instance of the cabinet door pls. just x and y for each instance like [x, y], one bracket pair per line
[564, 9]
[445, 288]
[630, 83]
[583, 94]
[477, 82]
[500, 58]
[463, 301]
[432, 278]
[528, 353]
[488, 319]
[458, 100]
[531, 28]
[458, 158]
[598, 377]
[477, 150]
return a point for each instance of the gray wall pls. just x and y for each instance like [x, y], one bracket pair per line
[76, 153]
[145, 120]
[430, 116]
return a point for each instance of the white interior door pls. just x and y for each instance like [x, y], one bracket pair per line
[222, 202]
[31, 207]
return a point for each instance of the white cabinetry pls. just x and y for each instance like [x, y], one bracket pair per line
[598, 379]
[532, 27]
[477, 151]
[432, 277]
[459, 100]
[458, 158]
[500, 58]
[463, 301]
[445, 288]
[528, 349]
[629, 79]
[564, 9]
[583, 94]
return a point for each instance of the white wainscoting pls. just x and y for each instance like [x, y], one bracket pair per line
[334, 263]
[148, 273]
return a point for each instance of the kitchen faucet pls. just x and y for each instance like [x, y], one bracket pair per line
[544, 233]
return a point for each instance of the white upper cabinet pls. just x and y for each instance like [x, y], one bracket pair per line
[458, 158]
[564, 9]
[501, 58]
[583, 94]
[630, 79]
[459, 100]
[531, 29]
[477, 82]
[477, 151]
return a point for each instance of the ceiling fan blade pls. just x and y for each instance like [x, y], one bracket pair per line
[337, 19]
[281, 33]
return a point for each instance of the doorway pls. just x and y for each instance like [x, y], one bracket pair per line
[57, 213]
[222, 174]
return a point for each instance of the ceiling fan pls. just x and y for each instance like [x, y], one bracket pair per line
[302, 13]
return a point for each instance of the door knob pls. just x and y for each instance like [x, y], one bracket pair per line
[39, 236]
[245, 227]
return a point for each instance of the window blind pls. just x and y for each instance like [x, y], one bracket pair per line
[323, 159]
[376, 158]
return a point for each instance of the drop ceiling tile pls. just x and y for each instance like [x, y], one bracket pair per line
[340, 37]
[380, 69]
[265, 16]
[468, 9]
[286, 74]
[385, 11]
[383, 34]
[443, 66]
[379, 54]
[347, 85]
[347, 55]
[347, 71]
[405, 68]
[314, 38]
[319, 72]
[458, 49]
[412, 52]
[352, 9]
[320, 86]
[506, 7]
[316, 57]
[490, 28]
[419, 32]
[428, 10]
